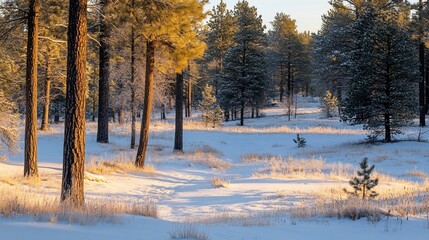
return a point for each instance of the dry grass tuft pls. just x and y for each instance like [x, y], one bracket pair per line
[255, 158]
[206, 156]
[417, 173]
[352, 208]
[260, 218]
[188, 231]
[401, 202]
[281, 167]
[218, 182]
[42, 207]
[121, 163]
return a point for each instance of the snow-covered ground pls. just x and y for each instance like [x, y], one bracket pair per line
[254, 204]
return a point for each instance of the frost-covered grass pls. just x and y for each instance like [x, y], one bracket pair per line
[123, 162]
[43, 207]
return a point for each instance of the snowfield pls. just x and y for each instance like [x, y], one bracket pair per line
[233, 182]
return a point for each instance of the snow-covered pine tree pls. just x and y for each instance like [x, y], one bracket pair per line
[331, 46]
[220, 37]
[384, 75]
[244, 79]
[211, 112]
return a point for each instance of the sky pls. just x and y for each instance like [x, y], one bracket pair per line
[307, 13]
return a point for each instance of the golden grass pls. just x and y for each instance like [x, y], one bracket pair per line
[188, 231]
[218, 182]
[289, 167]
[394, 199]
[254, 218]
[120, 164]
[42, 207]
[206, 156]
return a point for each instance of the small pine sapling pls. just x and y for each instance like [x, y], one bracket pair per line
[363, 184]
[211, 112]
[330, 103]
[300, 141]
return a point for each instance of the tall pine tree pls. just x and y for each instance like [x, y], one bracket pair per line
[244, 78]
[384, 74]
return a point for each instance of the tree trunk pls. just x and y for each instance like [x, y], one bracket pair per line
[120, 115]
[30, 154]
[387, 127]
[178, 134]
[74, 127]
[147, 106]
[45, 120]
[282, 87]
[163, 111]
[103, 85]
[242, 114]
[133, 88]
[189, 93]
[423, 104]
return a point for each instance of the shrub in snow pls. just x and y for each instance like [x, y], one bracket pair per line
[9, 132]
[300, 141]
[211, 112]
[363, 184]
[330, 104]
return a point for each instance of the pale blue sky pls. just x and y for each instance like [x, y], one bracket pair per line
[307, 13]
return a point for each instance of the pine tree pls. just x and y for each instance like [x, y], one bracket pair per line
[72, 190]
[188, 47]
[330, 103]
[162, 25]
[244, 78]
[384, 70]
[331, 47]
[220, 37]
[210, 110]
[363, 186]
[30, 153]
[104, 72]
[52, 51]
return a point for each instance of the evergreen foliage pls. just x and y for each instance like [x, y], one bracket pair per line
[220, 37]
[244, 78]
[363, 184]
[383, 75]
[300, 141]
[211, 112]
[330, 104]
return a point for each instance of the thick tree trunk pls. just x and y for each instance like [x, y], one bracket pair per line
[133, 88]
[30, 154]
[178, 134]
[147, 106]
[103, 84]
[72, 190]
[45, 120]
